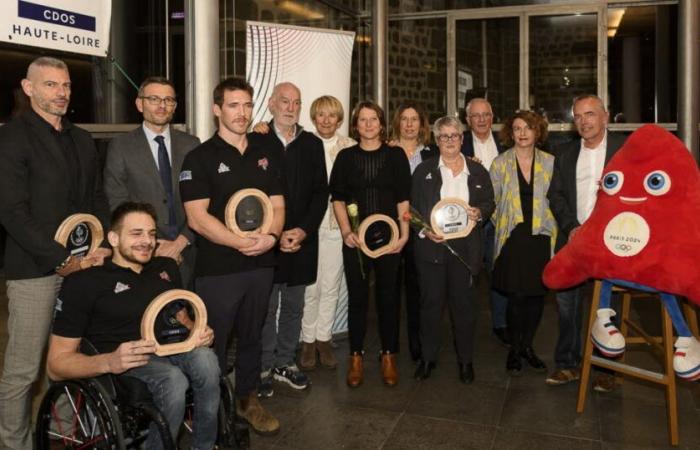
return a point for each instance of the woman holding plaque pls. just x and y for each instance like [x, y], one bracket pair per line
[410, 130]
[322, 296]
[525, 232]
[459, 188]
[371, 178]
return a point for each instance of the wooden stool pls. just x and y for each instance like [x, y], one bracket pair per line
[663, 343]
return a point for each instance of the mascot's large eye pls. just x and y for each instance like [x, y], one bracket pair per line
[612, 182]
[657, 182]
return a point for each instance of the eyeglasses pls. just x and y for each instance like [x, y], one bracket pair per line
[449, 137]
[481, 116]
[154, 100]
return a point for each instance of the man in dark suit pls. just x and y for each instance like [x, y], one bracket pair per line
[306, 196]
[143, 166]
[481, 143]
[578, 168]
[50, 170]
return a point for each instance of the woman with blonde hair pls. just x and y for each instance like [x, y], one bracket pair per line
[322, 297]
[525, 231]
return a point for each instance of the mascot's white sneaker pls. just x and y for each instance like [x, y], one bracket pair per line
[686, 359]
[605, 335]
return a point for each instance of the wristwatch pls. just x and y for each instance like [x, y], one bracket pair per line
[64, 263]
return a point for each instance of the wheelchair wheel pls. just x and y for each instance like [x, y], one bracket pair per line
[78, 414]
[233, 431]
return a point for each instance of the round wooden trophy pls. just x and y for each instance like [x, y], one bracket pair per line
[158, 303]
[80, 234]
[449, 218]
[378, 234]
[249, 211]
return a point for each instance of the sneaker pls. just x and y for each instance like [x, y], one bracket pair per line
[686, 359]
[259, 419]
[563, 376]
[265, 390]
[292, 376]
[605, 335]
[604, 382]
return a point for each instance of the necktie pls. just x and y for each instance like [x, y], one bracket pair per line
[165, 178]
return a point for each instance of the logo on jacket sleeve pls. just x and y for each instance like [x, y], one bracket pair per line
[121, 287]
[223, 168]
[429, 177]
[185, 175]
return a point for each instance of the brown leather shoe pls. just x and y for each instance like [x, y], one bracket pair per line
[259, 419]
[326, 355]
[307, 361]
[390, 373]
[355, 370]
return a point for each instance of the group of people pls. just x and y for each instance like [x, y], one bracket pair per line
[167, 194]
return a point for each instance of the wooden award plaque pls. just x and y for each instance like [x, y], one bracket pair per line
[251, 223]
[151, 313]
[80, 234]
[449, 219]
[387, 243]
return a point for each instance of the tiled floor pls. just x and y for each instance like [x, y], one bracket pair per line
[496, 412]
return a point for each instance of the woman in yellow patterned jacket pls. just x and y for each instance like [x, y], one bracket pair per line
[525, 231]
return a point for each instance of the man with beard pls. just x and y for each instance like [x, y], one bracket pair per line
[49, 171]
[233, 274]
[105, 305]
[143, 165]
[306, 197]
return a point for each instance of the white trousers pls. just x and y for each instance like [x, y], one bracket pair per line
[321, 298]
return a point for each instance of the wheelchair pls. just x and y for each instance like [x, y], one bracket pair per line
[113, 412]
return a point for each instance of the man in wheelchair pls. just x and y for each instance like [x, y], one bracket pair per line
[105, 305]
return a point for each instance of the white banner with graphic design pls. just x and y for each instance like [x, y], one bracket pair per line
[317, 60]
[78, 26]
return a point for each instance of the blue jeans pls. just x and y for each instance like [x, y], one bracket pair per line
[567, 354]
[168, 378]
[499, 302]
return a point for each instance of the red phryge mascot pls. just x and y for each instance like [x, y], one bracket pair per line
[644, 233]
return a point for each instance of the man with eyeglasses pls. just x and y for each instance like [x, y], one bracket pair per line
[481, 144]
[143, 166]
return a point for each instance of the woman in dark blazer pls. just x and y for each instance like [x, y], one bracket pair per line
[410, 130]
[377, 178]
[442, 276]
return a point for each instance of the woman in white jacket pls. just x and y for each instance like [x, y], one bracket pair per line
[321, 297]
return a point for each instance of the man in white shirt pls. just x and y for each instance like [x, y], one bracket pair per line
[578, 168]
[481, 144]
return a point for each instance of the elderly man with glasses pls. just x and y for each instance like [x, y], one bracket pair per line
[481, 144]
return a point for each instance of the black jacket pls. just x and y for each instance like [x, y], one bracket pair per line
[562, 189]
[35, 196]
[425, 193]
[306, 199]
